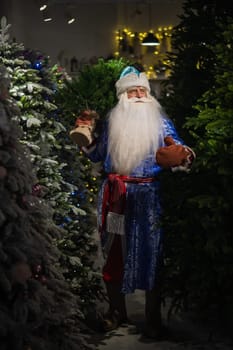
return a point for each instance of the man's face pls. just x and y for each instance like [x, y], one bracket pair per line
[137, 91]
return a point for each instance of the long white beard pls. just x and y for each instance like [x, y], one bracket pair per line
[133, 132]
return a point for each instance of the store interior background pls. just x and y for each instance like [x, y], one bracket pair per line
[102, 28]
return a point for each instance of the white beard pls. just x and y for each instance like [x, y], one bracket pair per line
[133, 132]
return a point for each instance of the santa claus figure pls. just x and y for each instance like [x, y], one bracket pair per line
[136, 143]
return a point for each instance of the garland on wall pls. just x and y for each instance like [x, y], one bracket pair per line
[152, 58]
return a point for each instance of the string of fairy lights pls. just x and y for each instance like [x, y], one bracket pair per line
[154, 59]
[130, 44]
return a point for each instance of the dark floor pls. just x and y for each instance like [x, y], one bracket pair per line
[180, 333]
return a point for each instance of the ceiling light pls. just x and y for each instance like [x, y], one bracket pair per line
[47, 17]
[150, 40]
[71, 20]
[43, 7]
[69, 17]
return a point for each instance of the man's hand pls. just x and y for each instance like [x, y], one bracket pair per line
[172, 155]
[84, 126]
[86, 117]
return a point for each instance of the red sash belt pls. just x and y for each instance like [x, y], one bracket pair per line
[114, 195]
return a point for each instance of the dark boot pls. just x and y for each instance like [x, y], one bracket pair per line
[117, 313]
[153, 314]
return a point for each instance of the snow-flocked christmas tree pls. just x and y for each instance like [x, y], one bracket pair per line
[37, 309]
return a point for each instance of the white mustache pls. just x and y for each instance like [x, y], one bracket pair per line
[137, 99]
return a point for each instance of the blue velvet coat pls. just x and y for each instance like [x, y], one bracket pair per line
[143, 234]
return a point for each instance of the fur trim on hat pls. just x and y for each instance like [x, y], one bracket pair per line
[130, 80]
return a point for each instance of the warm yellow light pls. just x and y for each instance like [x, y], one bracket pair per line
[163, 34]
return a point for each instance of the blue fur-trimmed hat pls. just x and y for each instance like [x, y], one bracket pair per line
[129, 78]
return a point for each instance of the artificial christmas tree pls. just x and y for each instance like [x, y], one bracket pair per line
[198, 241]
[37, 309]
[192, 59]
[33, 86]
[93, 89]
[73, 97]
[213, 129]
